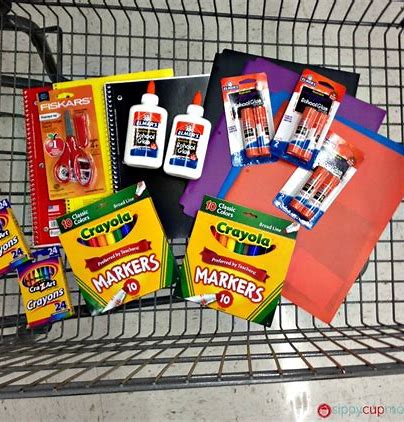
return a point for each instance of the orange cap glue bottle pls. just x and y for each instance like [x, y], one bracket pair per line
[188, 142]
[146, 132]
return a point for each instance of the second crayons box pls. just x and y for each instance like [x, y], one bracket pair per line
[13, 245]
[44, 288]
[117, 249]
[236, 261]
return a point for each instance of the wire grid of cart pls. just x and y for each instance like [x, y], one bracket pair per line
[160, 342]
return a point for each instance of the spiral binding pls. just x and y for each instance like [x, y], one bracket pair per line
[113, 141]
[31, 168]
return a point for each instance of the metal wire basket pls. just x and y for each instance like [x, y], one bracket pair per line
[160, 342]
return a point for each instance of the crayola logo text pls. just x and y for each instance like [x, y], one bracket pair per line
[117, 221]
[241, 235]
[66, 103]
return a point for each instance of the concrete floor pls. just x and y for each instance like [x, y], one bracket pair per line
[295, 401]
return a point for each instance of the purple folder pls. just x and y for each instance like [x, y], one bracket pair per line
[218, 161]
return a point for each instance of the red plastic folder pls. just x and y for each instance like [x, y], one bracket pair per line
[328, 259]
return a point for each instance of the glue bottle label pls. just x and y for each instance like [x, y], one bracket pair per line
[187, 136]
[146, 126]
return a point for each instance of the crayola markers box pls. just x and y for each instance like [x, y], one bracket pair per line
[12, 242]
[237, 259]
[43, 287]
[117, 249]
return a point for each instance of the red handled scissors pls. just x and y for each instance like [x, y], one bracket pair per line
[74, 164]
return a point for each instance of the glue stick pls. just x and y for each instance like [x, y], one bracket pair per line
[146, 132]
[263, 137]
[300, 203]
[297, 144]
[324, 179]
[249, 129]
[188, 142]
[314, 135]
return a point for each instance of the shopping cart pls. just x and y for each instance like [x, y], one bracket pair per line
[160, 342]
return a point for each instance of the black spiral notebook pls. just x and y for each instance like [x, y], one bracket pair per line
[175, 94]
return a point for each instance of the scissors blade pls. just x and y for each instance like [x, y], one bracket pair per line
[68, 124]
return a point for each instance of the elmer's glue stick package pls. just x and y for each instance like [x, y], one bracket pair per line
[12, 242]
[307, 119]
[248, 111]
[308, 194]
[237, 259]
[117, 249]
[43, 287]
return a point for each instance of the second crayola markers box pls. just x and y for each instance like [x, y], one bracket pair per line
[237, 259]
[117, 249]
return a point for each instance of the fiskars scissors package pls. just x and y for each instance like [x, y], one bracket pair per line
[73, 152]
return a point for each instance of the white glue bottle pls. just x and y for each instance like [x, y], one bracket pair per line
[146, 132]
[188, 142]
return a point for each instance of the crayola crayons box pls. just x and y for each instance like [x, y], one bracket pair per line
[237, 259]
[43, 287]
[117, 249]
[12, 242]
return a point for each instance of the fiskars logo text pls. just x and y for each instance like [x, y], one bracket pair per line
[66, 103]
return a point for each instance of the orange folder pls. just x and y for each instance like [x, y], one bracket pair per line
[327, 260]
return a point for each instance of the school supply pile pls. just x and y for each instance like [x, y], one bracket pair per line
[289, 160]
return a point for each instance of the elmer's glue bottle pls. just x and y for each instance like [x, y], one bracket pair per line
[146, 132]
[188, 142]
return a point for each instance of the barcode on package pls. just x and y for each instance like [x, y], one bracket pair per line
[53, 224]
